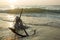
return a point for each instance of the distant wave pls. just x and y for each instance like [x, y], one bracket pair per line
[51, 7]
[45, 14]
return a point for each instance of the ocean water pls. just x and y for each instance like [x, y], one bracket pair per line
[50, 7]
[47, 26]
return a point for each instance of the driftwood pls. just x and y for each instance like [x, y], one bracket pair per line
[14, 31]
[19, 25]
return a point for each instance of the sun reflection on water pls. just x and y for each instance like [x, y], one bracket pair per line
[11, 17]
[11, 24]
[7, 20]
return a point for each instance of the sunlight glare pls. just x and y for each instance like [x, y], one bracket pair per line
[11, 24]
[11, 17]
[12, 1]
[12, 7]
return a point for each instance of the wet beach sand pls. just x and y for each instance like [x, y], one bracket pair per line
[46, 29]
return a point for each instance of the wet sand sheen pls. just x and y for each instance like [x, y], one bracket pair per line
[43, 32]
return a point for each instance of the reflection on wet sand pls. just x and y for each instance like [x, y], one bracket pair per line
[46, 28]
[6, 20]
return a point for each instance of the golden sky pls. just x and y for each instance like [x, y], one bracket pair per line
[30, 2]
[12, 3]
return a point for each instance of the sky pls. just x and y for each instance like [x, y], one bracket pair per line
[13, 3]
